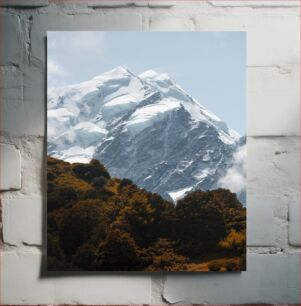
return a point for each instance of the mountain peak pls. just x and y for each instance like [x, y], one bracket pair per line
[157, 76]
[117, 71]
[142, 127]
[148, 74]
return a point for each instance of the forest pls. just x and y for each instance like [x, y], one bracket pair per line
[100, 223]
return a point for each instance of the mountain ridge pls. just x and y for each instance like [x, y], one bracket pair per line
[143, 127]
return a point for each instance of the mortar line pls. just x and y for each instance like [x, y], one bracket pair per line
[1, 129]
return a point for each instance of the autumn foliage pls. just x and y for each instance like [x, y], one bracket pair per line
[96, 222]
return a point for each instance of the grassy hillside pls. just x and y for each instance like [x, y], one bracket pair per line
[96, 222]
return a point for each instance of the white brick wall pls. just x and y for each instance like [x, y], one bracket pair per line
[170, 23]
[275, 91]
[24, 284]
[294, 220]
[273, 117]
[14, 47]
[10, 167]
[23, 219]
[270, 279]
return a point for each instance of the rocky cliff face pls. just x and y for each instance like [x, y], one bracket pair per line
[142, 127]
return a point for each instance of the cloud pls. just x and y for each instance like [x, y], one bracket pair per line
[76, 42]
[55, 73]
[88, 42]
[235, 178]
[53, 68]
[71, 54]
[51, 45]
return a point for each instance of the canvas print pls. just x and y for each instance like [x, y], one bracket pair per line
[146, 151]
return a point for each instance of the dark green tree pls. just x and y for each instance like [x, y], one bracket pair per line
[83, 221]
[200, 224]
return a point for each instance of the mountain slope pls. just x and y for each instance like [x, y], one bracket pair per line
[95, 222]
[142, 127]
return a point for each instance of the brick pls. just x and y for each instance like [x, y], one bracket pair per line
[250, 3]
[273, 165]
[266, 214]
[13, 43]
[34, 103]
[121, 22]
[273, 34]
[22, 283]
[115, 3]
[10, 167]
[17, 229]
[268, 279]
[273, 101]
[273, 37]
[160, 3]
[23, 93]
[118, 3]
[294, 220]
[23, 89]
[12, 97]
[24, 3]
[11, 83]
[170, 23]
[33, 167]
[260, 219]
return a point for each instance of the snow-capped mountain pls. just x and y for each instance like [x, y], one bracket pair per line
[142, 127]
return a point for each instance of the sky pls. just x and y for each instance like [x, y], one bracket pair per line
[210, 66]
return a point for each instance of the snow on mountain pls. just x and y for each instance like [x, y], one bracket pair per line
[142, 127]
[79, 115]
[146, 116]
[179, 194]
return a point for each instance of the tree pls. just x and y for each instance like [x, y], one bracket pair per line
[138, 217]
[85, 257]
[88, 172]
[61, 196]
[80, 224]
[200, 224]
[125, 182]
[164, 257]
[235, 242]
[118, 252]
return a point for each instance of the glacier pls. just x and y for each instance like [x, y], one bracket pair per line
[145, 128]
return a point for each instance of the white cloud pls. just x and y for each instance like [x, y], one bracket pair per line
[71, 53]
[56, 74]
[88, 42]
[76, 42]
[54, 69]
[235, 178]
[51, 45]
